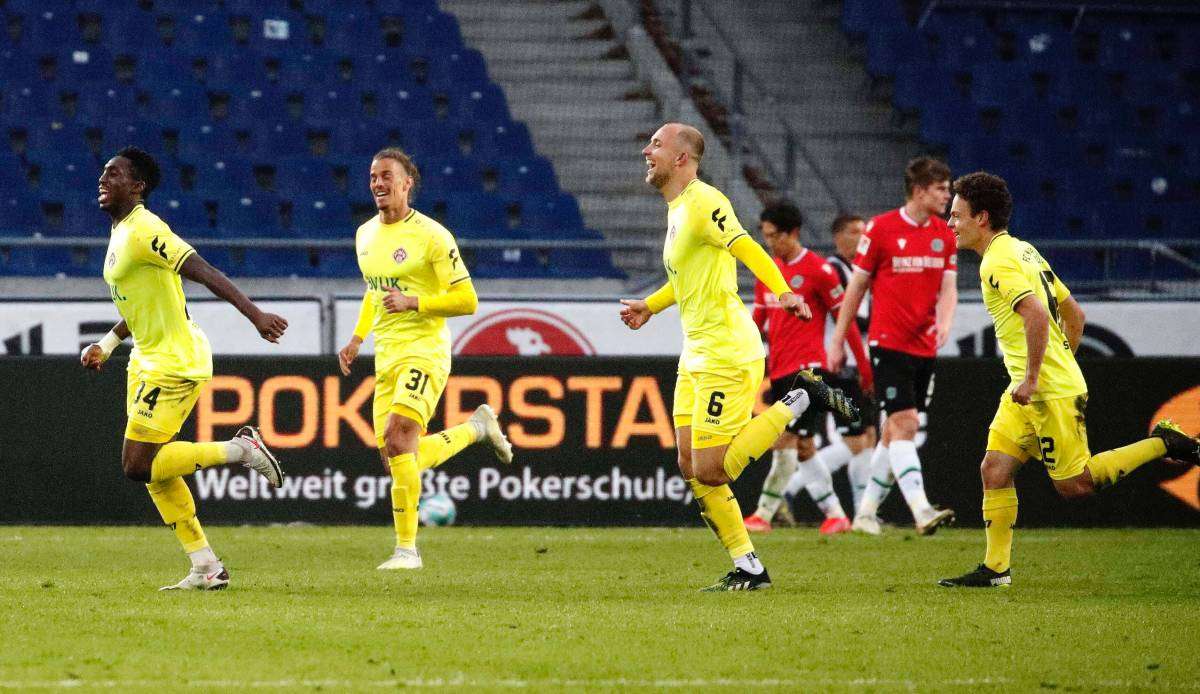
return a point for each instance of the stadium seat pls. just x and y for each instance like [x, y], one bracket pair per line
[249, 215]
[278, 262]
[17, 216]
[451, 175]
[305, 177]
[519, 177]
[185, 214]
[576, 264]
[492, 141]
[322, 217]
[556, 213]
[476, 215]
[337, 263]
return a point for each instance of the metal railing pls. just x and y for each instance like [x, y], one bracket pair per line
[733, 98]
[1077, 7]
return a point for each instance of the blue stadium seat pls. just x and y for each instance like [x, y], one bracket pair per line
[406, 104]
[309, 68]
[860, 17]
[199, 143]
[236, 72]
[461, 65]
[180, 104]
[220, 178]
[429, 32]
[506, 140]
[45, 143]
[249, 215]
[19, 212]
[323, 217]
[305, 177]
[480, 101]
[996, 85]
[198, 31]
[97, 101]
[48, 27]
[358, 136]
[451, 175]
[147, 134]
[277, 262]
[271, 140]
[476, 215]
[519, 177]
[185, 214]
[82, 216]
[27, 104]
[67, 177]
[430, 141]
[83, 65]
[891, 46]
[512, 263]
[557, 213]
[959, 38]
[25, 261]
[337, 262]
[577, 264]
[250, 106]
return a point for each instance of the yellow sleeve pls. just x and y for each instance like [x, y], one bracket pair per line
[719, 225]
[156, 244]
[366, 315]
[1005, 276]
[754, 257]
[447, 261]
[459, 300]
[661, 299]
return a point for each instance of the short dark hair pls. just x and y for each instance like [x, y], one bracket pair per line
[985, 192]
[923, 172]
[842, 221]
[406, 163]
[784, 215]
[145, 169]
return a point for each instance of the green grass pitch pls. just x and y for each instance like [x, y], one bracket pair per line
[598, 609]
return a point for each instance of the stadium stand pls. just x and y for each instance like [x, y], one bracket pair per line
[1092, 121]
[262, 116]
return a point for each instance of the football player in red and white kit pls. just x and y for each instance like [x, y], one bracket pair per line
[908, 258]
[794, 345]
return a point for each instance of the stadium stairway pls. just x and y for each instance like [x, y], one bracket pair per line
[822, 90]
[571, 82]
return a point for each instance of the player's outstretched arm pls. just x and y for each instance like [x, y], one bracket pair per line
[636, 312]
[756, 259]
[855, 291]
[1073, 320]
[1037, 333]
[94, 355]
[197, 269]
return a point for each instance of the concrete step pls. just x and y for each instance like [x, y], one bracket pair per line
[514, 10]
[510, 70]
[567, 51]
[649, 206]
[572, 90]
[499, 30]
[585, 109]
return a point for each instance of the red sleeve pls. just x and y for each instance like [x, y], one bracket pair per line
[831, 287]
[760, 306]
[867, 255]
[854, 338]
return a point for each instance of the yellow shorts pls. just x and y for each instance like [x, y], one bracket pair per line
[1053, 430]
[716, 404]
[158, 405]
[409, 387]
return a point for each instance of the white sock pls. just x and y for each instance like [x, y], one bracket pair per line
[859, 472]
[783, 466]
[906, 466]
[797, 401]
[820, 487]
[879, 483]
[203, 557]
[835, 456]
[749, 562]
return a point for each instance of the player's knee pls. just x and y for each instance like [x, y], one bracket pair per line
[995, 474]
[136, 469]
[806, 448]
[903, 425]
[712, 476]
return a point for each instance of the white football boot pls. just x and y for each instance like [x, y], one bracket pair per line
[485, 419]
[402, 559]
[208, 578]
[260, 459]
[868, 525]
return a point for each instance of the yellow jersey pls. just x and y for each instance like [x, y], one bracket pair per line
[717, 328]
[142, 271]
[1012, 270]
[418, 256]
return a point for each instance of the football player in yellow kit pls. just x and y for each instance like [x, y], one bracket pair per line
[171, 359]
[721, 365]
[1042, 413]
[415, 280]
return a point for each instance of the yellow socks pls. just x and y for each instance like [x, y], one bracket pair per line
[758, 436]
[720, 510]
[1109, 467]
[178, 510]
[999, 517]
[435, 449]
[180, 458]
[406, 494]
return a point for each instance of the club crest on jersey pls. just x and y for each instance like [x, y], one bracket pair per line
[937, 245]
[399, 255]
[902, 243]
[796, 282]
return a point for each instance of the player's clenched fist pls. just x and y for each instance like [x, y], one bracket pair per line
[635, 314]
[270, 326]
[92, 357]
[795, 305]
